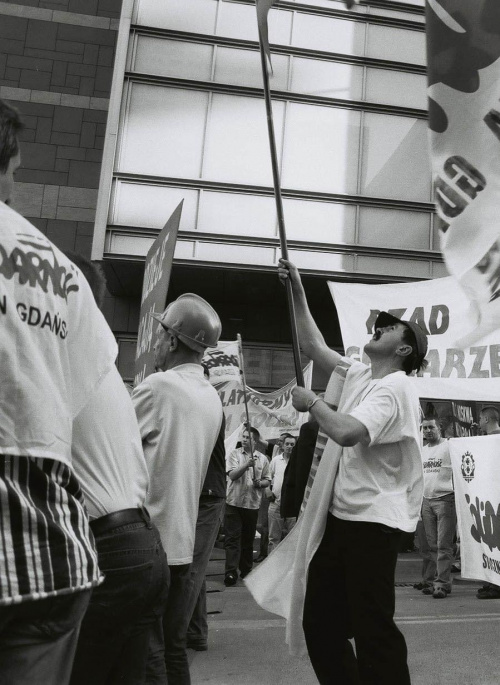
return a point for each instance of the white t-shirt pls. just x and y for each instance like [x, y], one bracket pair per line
[382, 482]
[277, 470]
[107, 450]
[179, 416]
[438, 473]
[55, 344]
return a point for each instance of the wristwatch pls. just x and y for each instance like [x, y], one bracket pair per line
[311, 404]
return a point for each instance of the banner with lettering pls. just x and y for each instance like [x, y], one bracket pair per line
[440, 308]
[463, 67]
[476, 477]
[154, 292]
[272, 413]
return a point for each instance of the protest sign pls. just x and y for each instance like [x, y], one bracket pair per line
[463, 67]
[154, 293]
[222, 362]
[476, 478]
[440, 308]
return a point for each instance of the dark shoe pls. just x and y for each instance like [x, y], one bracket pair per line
[230, 579]
[489, 593]
[428, 590]
[482, 590]
[440, 593]
[419, 586]
[197, 646]
[260, 558]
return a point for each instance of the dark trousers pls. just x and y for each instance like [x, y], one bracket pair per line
[207, 527]
[116, 631]
[38, 639]
[240, 525]
[263, 526]
[344, 600]
[168, 644]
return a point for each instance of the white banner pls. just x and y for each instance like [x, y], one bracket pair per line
[440, 308]
[477, 493]
[222, 362]
[463, 67]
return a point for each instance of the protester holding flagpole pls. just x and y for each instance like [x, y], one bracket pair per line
[375, 495]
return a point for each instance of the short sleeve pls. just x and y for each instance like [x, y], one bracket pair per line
[142, 399]
[382, 415]
[266, 470]
[232, 461]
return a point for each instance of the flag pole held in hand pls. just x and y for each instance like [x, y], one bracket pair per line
[263, 7]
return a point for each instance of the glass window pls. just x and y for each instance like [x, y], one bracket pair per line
[329, 34]
[319, 222]
[439, 270]
[237, 214]
[240, 21]
[184, 249]
[321, 149]
[176, 58]
[398, 45]
[409, 268]
[163, 131]
[396, 88]
[333, 5]
[405, 16]
[395, 161]
[126, 358]
[237, 148]
[243, 68]
[394, 228]
[139, 204]
[321, 261]
[235, 254]
[120, 243]
[326, 79]
[196, 16]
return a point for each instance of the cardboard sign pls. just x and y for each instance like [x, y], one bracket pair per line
[476, 478]
[154, 293]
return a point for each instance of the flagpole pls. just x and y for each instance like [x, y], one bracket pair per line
[244, 383]
[279, 209]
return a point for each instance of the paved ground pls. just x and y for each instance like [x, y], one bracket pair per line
[451, 642]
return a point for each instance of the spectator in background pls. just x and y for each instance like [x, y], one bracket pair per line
[248, 475]
[489, 420]
[55, 349]
[180, 415]
[438, 510]
[266, 448]
[298, 468]
[109, 462]
[279, 527]
[211, 504]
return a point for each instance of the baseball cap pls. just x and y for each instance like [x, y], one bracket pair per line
[386, 319]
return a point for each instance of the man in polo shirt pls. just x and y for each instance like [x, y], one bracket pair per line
[248, 475]
[279, 527]
[377, 493]
[180, 416]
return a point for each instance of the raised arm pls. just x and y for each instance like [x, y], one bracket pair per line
[311, 340]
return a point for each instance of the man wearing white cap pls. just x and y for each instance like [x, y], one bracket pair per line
[180, 415]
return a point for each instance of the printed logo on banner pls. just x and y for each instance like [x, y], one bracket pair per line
[468, 467]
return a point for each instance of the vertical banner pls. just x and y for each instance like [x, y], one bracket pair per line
[476, 478]
[154, 292]
[463, 67]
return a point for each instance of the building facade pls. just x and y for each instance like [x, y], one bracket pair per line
[186, 121]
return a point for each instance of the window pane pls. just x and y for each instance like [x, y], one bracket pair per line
[394, 228]
[173, 58]
[240, 21]
[126, 358]
[234, 214]
[319, 222]
[235, 254]
[398, 45]
[332, 4]
[329, 34]
[163, 131]
[395, 160]
[237, 148]
[321, 149]
[326, 79]
[243, 68]
[138, 204]
[405, 16]
[396, 88]
[409, 268]
[197, 16]
[321, 261]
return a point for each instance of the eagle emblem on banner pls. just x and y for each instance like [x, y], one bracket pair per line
[468, 467]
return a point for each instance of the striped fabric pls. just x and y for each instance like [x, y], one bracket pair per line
[46, 545]
[332, 397]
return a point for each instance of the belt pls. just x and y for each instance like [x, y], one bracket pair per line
[117, 519]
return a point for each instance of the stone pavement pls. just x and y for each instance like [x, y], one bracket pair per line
[450, 642]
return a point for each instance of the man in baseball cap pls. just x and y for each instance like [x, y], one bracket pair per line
[179, 415]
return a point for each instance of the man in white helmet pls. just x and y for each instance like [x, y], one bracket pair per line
[179, 416]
